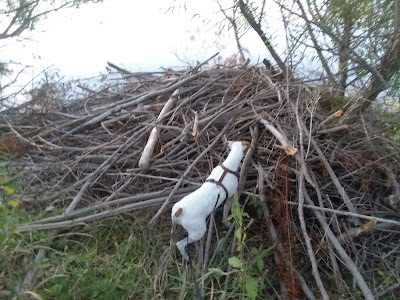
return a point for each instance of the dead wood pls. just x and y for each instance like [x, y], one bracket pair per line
[85, 159]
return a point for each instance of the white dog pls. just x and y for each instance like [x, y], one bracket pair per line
[192, 211]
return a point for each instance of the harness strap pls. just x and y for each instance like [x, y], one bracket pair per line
[226, 170]
[220, 184]
[219, 181]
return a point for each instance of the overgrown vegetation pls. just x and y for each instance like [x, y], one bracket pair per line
[122, 258]
[79, 168]
[317, 211]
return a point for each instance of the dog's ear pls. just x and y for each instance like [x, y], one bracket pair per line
[178, 212]
[246, 144]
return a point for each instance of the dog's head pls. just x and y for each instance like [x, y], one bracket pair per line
[244, 145]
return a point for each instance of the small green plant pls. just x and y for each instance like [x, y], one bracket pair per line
[8, 187]
[249, 261]
[13, 246]
[387, 121]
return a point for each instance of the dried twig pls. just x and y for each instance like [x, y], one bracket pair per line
[307, 239]
[289, 149]
[349, 263]
[274, 236]
[159, 212]
[85, 154]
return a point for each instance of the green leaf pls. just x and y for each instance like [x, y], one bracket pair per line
[4, 180]
[8, 190]
[260, 264]
[238, 234]
[251, 287]
[15, 186]
[235, 262]
[13, 202]
[216, 271]
[57, 288]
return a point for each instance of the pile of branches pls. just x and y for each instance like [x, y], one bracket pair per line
[328, 188]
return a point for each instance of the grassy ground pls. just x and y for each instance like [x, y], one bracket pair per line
[122, 258]
[110, 259]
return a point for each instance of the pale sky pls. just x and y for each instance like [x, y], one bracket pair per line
[138, 35]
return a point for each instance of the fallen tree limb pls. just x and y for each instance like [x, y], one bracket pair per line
[144, 160]
[97, 216]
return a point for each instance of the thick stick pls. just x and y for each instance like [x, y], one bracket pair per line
[343, 213]
[247, 159]
[307, 239]
[333, 129]
[329, 119]
[155, 133]
[209, 238]
[108, 205]
[332, 255]
[101, 215]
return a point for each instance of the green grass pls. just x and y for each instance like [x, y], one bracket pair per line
[122, 258]
[110, 259]
[113, 259]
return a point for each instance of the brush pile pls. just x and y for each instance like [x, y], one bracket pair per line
[327, 189]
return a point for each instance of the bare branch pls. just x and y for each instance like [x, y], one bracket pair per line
[316, 44]
[28, 20]
[257, 28]
[232, 20]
